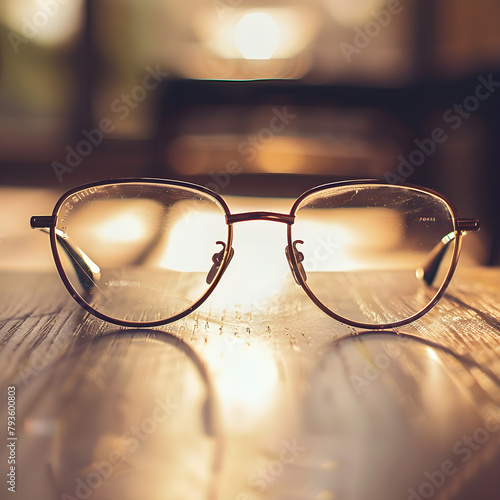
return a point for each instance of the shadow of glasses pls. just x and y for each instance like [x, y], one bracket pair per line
[389, 415]
[128, 414]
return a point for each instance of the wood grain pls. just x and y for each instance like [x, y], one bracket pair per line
[275, 401]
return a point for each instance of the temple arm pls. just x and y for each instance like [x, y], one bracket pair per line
[431, 267]
[87, 271]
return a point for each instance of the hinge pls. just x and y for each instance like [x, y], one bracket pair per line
[41, 221]
[468, 224]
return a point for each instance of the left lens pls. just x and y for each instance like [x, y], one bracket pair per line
[141, 252]
[374, 254]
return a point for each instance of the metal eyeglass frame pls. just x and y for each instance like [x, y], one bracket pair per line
[222, 259]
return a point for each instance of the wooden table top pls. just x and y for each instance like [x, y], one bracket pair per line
[276, 402]
[268, 399]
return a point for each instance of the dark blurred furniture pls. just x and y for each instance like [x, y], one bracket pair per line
[377, 126]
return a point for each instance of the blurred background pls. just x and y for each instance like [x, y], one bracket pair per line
[250, 97]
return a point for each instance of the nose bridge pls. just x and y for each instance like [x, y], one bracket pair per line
[271, 216]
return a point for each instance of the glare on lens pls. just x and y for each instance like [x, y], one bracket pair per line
[124, 227]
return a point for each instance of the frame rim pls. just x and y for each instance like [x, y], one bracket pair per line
[135, 324]
[373, 326]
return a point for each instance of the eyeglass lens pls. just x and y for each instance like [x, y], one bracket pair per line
[146, 252]
[374, 254]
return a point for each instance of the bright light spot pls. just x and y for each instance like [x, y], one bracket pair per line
[45, 23]
[259, 270]
[122, 228]
[328, 246]
[192, 241]
[281, 34]
[432, 354]
[350, 239]
[247, 382]
[257, 36]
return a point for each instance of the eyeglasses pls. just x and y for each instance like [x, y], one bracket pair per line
[147, 252]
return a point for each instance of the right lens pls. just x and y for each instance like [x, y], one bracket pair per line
[141, 252]
[374, 254]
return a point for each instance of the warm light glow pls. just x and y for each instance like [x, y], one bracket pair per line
[247, 382]
[44, 23]
[258, 271]
[36, 426]
[283, 154]
[353, 13]
[350, 240]
[272, 33]
[112, 231]
[257, 36]
[432, 354]
[183, 252]
[125, 227]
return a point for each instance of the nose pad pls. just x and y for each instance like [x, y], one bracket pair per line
[299, 257]
[217, 259]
